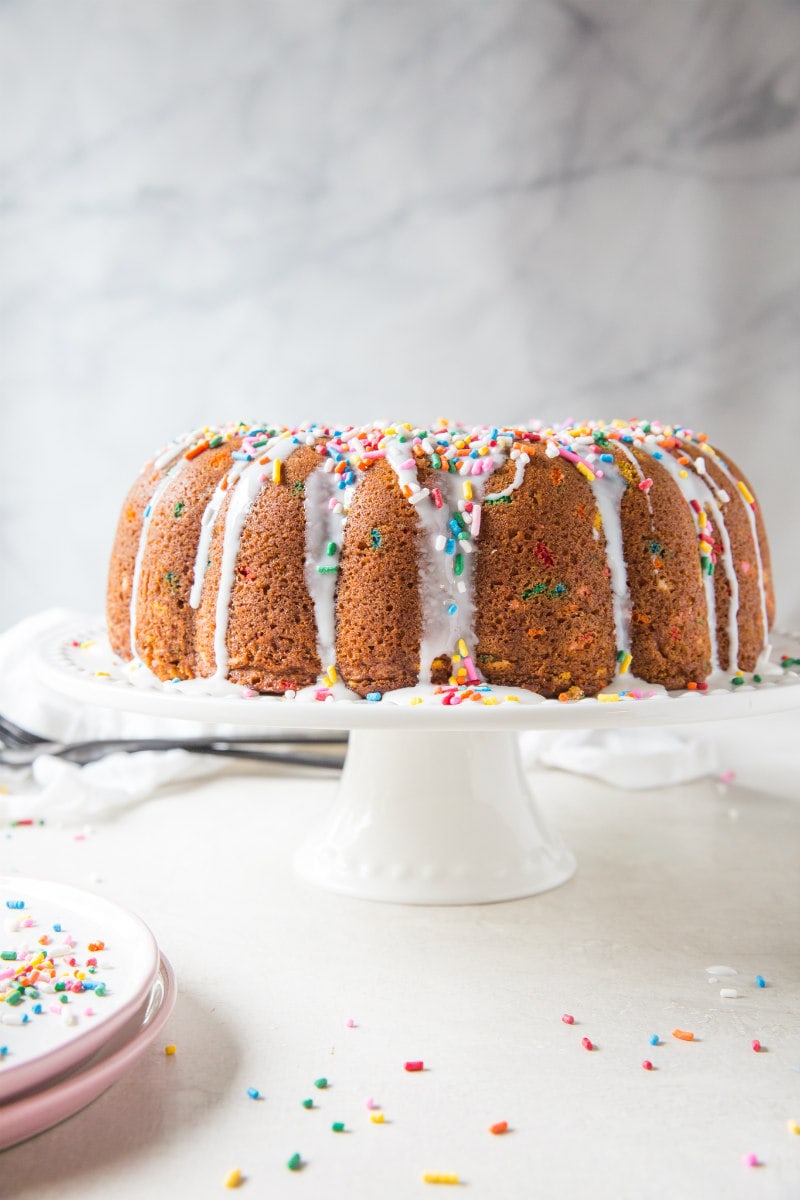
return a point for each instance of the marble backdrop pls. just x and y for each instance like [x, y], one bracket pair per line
[346, 209]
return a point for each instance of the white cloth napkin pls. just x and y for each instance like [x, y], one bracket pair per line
[64, 792]
[625, 758]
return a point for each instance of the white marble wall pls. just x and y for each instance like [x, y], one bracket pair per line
[401, 208]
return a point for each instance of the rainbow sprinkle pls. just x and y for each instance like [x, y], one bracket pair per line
[444, 471]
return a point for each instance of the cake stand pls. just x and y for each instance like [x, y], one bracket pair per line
[433, 806]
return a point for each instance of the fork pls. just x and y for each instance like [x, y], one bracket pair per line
[22, 757]
[14, 735]
[19, 747]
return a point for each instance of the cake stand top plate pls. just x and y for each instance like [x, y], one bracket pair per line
[76, 661]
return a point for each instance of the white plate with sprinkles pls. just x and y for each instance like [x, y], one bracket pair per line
[74, 968]
[37, 1111]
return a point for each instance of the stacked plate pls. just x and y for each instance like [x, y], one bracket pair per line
[83, 993]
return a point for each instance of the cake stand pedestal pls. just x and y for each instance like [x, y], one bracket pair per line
[434, 818]
[433, 806]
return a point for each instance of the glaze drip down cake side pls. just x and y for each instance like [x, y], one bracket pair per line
[388, 557]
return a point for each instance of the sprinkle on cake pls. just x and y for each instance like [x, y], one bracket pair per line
[379, 558]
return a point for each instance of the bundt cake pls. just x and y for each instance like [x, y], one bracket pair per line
[552, 560]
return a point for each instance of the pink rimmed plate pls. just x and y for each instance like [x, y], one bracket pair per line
[45, 1035]
[39, 1110]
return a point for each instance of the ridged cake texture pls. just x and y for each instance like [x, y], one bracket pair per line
[385, 557]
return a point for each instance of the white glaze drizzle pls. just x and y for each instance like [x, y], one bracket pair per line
[446, 599]
[441, 588]
[729, 568]
[608, 492]
[213, 507]
[207, 522]
[715, 498]
[751, 516]
[324, 524]
[522, 461]
[692, 488]
[249, 484]
[440, 629]
[171, 460]
[174, 450]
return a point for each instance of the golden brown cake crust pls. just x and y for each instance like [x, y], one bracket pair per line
[749, 618]
[165, 620]
[123, 561]
[551, 560]
[378, 611]
[670, 638]
[763, 542]
[272, 633]
[543, 597]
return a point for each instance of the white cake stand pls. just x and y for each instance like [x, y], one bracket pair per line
[433, 806]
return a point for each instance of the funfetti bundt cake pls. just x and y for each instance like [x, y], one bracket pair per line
[552, 560]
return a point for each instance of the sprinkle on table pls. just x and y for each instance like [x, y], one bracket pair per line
[683, 1035]
[438, 1177]
[170, 1049]
[233, 1178]
[321, 1083]
[499, 1127]
[295, 1162]
[415, 1065]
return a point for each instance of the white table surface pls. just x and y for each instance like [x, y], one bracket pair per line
[269, 971]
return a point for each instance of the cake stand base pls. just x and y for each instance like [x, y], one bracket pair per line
[434, 818]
